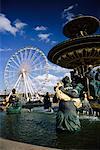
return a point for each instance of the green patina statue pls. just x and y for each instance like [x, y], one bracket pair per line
[66, 118]
[73, 98]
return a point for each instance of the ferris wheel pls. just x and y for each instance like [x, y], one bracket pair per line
[27, 71]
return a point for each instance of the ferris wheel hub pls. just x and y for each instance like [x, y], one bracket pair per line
[23, 70]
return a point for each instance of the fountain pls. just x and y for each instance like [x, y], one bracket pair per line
[82, 49]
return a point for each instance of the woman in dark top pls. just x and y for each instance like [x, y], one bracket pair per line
[47, 103]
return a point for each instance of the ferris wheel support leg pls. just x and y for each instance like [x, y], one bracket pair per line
[28, 85]
[17, 81]
[26, 91]
[15, 85]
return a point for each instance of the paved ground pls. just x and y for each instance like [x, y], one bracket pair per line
[13, 145]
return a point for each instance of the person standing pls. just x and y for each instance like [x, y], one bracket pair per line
[13, 99]
[47, 102]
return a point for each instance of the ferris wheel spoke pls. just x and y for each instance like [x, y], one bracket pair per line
[11, 76]
[33, 56]
[30, 55]
[37, 59]
[11, 71]
[14, 67]
[7, 75]
[18, 58]
[25, 57]
[37, 71]
[39, 63]
[21, 56]
[10, 65]
[15, 62]
[38, 67]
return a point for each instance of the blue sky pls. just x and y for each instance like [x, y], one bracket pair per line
[37, 23]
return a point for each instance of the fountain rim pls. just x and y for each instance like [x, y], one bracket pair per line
[72, 27]
[70, 45]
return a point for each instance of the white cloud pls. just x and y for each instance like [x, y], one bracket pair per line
[5, 49]
[40, 28]
[52, 80]
[6, 25]
[53, 42]
[59, 71]
[22, 33]
[19, 25]
[69, 8]
[50, 77]
[57, 68]
[67, 14]
[47, 85]
[40, 77]
[44, 37]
